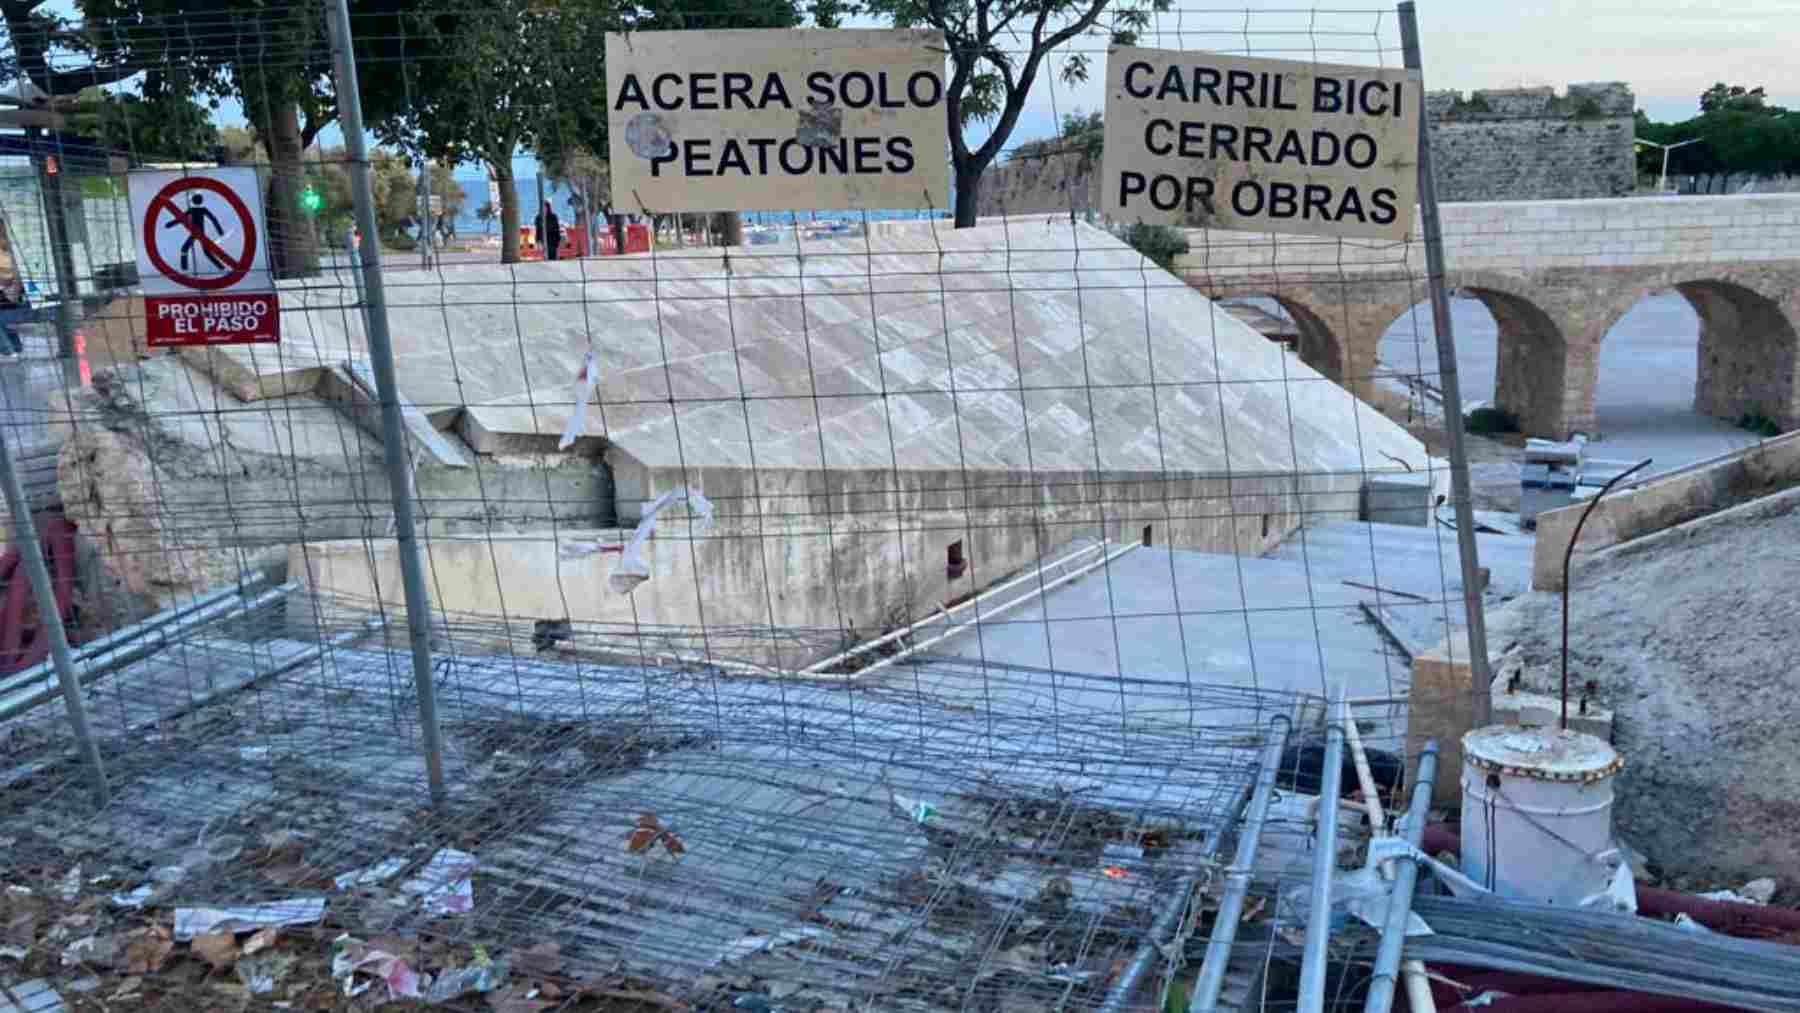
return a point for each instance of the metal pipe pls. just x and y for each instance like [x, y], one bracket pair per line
[1481, 679]
[863, 648]
[1168, 921]
[1237, 876]
[393, 433]
[144, 646]
[1406, 877]
[1318, 917]
[1035, 592]
[250, 583]
[50, 624]
[1568, 557]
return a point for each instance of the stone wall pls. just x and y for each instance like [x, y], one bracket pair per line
[1532, 144]
[1497, 145]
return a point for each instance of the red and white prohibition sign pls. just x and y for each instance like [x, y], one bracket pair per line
[202, 258]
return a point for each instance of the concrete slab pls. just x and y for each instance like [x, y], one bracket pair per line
[361, 396]
[255, 372]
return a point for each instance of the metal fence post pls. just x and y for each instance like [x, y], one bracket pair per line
[1481, 680]
[31, 556]
[381, 359]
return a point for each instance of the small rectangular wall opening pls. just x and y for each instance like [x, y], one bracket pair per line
[1265, 525]
[954, 564]
[1147, 542]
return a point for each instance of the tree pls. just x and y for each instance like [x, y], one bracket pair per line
[1740, 133]
[274, 58]
[990, 79]
[589, 180]
[166, 128]
[1723, 98]
[515, 74]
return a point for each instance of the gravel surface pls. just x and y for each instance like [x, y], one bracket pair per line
[1691, 635]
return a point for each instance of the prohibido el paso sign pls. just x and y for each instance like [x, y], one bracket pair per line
[771, 120]
[1202, 140]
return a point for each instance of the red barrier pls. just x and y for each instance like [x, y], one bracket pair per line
[22, 643]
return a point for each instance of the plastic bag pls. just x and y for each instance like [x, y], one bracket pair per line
[585, 382]
[633, 569]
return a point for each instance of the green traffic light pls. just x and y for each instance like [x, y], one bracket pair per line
[311, 200]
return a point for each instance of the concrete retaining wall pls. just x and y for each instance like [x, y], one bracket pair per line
[850, 560]
[1673, 499]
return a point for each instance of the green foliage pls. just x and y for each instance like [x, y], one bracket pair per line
[1490, 422]
[164, 128]
[1083, 134]
[1160, 243]
[997, 50]
[1739, 134]
[1760, 424]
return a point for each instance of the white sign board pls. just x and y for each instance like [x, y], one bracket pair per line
[1198, 140]
[202, 257]
[768, 120]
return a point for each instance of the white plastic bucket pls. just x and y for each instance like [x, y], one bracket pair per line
[1537, 813]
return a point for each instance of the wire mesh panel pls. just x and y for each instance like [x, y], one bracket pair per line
[824, 610]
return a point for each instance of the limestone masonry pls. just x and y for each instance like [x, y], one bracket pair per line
[1493, 145]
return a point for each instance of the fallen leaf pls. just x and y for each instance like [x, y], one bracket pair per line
[515, 1001]
[147, 949]
[540, 961]
[220, 949]
[261, 940]
[673, 844]
[640, 839]
[649, 822]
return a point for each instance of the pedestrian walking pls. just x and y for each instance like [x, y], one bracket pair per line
[549, 229]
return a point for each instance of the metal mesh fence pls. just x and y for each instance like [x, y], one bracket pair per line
[860, 613]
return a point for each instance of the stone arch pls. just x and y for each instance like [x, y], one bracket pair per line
[1749, 352]
[1531, 376]
[1319, 346]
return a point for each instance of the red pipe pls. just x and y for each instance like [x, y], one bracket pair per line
[1734, 919]
[22, 643]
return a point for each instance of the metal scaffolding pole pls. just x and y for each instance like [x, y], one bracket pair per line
[1313, 958]
[1237, 877]
[1406, 876]
[393, 433]
[1481, 679]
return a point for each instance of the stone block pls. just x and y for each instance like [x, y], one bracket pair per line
[1397, 499]
[1536, 710]
[1438, 708]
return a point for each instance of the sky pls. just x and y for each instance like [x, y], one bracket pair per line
[1668, 51]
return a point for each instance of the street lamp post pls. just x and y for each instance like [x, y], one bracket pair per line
[1663, 183]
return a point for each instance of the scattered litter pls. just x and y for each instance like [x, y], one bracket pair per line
[648, 832]
[445, 885]
[1488, 998]
[481, 976]
[220, 949]
[750, 945]
[99, 951]
[35, 996]
[146, 949]
[82, 986]
[1759, 891]
[70, 887]
[1365, 895]
[632, 569]
[585, 381]
[1620, 895]
[753, 1002]
[261, 973]
[1686, 923]
[380, 872]
[136, 898]
[1729, 897]
[350, 955]
[261, 940]
[197, 921]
